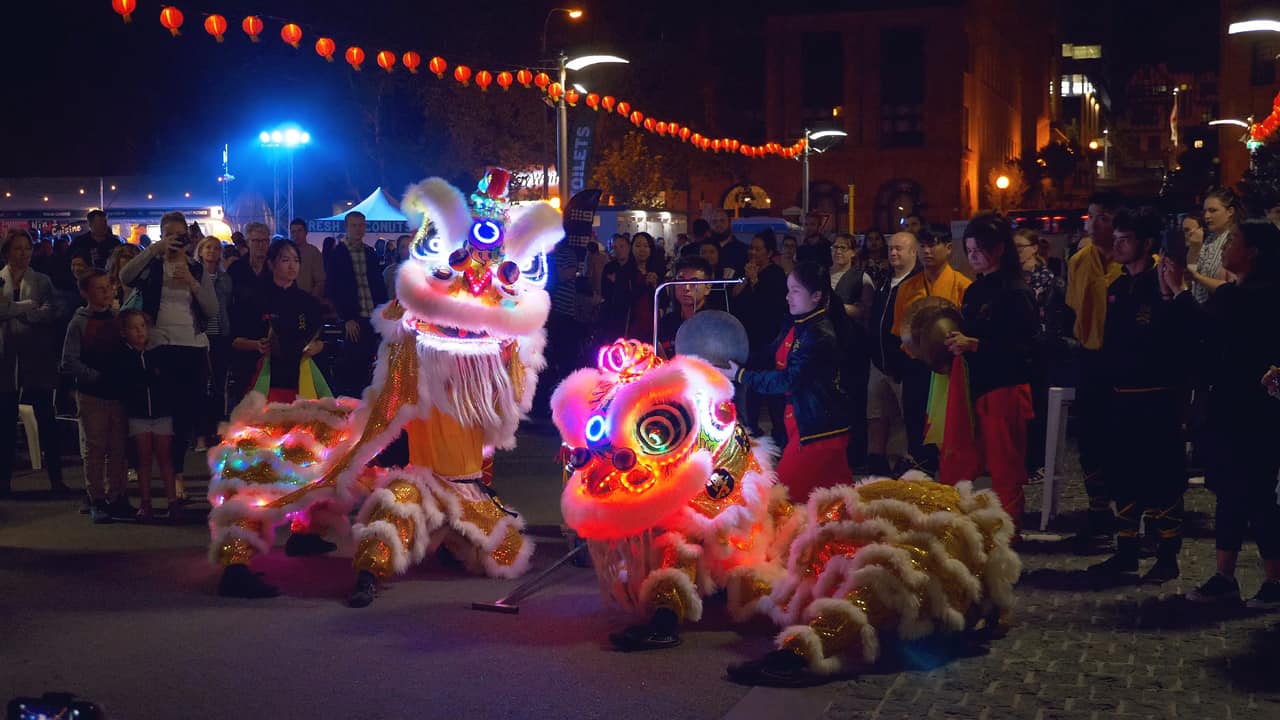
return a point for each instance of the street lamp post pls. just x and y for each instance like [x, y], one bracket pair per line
[562, 116]
[809, 137]
[562, 132]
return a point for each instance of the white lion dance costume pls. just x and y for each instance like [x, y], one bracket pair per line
[677, 502]
[461, 348]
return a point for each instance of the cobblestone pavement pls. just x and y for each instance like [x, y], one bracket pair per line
[1082, 649]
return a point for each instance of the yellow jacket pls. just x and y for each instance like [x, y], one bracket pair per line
[950, 285]
[1088, 277]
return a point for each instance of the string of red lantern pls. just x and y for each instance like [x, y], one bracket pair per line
[216, 25]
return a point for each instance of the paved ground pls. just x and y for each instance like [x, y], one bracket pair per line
[126, 615]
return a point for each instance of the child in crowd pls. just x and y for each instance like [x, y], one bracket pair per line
[147, 402]
[93, 337]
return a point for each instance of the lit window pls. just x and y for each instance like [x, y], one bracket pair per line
[1198, 144]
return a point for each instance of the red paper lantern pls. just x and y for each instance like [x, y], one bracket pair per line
[386, 60]
[437, 65]
[252, 27]
[484, 79]
[215, 25]
[715, 145]
[734, 145]
[624, 108]
[684, 134]
[706, 143]
[325, 48]
[697, 139]
[411, 61]
[661, 127]
[637, 117]
[124, 8]
[648, 124]
[171, 19]
[607, 102]
[572, 97]
[462, 74]
[555, 92]
[524, 77]
[593, 101]
[504, 80]
[291, 34]
[542, 80]
[355, 57]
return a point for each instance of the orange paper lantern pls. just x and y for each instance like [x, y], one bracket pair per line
[697, 139]
[462, 74]
[624, 108]
[437, 65]
[124, 8]
[684, 134]
[542, 80]
[411, 61]
[555, 92]
[215, 25]
[355, 57]
[661, 127]
[734, 145]
[593, 101]
[325, 48]
[484, 79]
[171, 19]
[504, 80]
[607, 102]
[715, 145]
[386, 60]
[252, 27]
[648, 123]
[572, 97]
[291, 34]
[524, 77]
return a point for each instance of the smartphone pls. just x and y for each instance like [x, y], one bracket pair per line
[1174, 246]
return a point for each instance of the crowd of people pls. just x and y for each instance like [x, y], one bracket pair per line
[1152, 319]
[1149, 317]
[150, 347]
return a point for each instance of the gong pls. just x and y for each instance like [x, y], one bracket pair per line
[715, 336]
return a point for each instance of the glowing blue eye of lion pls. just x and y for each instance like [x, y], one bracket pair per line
[486, 234]
[595, 429]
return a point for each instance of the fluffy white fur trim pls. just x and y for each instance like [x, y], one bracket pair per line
[386, 533]
[683, 585]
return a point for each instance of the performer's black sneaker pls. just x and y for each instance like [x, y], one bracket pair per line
[780, 668]
[1164, 570]
[366, 590]
[100, 512]
[302, 544]
[1091, 543]
[1268, 597]
[1118, 564]
[238, 582]
[661, 632]
[1218, 589]
[120, 509]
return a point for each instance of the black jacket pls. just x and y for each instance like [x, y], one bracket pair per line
[1143, 344]
[340, 284]
[144, 383]
[811, 378]
[886, 348]
[1002, 315]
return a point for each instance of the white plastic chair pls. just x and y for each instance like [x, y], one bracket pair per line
[27, 416]
[1055, 437]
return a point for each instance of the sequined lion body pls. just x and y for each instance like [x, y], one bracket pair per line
[677, 502]
[461, 347]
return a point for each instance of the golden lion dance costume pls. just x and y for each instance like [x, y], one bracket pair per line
[676, 502]
[461, 348]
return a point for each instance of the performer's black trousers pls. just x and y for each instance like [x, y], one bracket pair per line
[1145, 464]
[1092, 399]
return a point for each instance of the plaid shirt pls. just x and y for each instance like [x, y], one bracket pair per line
[361, 271]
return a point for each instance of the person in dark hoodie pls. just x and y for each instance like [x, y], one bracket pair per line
[93, 336]
[144, 386]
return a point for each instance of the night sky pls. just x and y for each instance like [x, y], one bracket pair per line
[90, 95]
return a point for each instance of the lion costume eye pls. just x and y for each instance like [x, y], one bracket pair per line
[663, 428]
[535, 271]
[427, 244]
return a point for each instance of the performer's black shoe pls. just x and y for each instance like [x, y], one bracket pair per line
[303, 544]
[1124, 561]
[660, 633]
[237, 581]
[780, 668]
[1165, 569]
[121, 509]
[1088, 542]
[366, 590]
